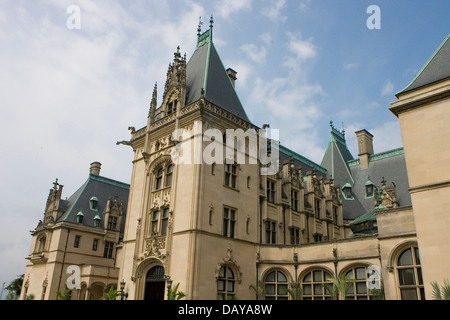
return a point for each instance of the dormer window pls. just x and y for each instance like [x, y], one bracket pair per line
[93, 203]
[347, 191]
[80, 217]
[370, 188]
[97, 221]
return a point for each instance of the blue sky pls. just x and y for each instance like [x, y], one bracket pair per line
[68, 95]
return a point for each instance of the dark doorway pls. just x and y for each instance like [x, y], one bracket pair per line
[155, 284]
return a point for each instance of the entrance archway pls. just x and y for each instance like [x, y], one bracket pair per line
[154, 284]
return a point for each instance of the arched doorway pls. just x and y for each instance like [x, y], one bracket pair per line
[154, 284]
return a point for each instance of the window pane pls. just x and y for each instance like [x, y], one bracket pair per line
[419, 276]
[222, 272]
[271, 277]
[232, 228]
[281, 277]
[405, 258]
[155, 215]
[317, 289]
[307, 289]
[164, 224]
[166, 213]
[230, 274]
[361, 288]
[270, 288]
[351, 290]
[409, 294]
[307, 278]
[230, 286]
[350, 274]
[361, 273]
[406, 277]
[318, 276]
[416, 250]
[282, 289]
[221, 285]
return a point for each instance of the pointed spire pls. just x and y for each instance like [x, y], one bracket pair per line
[154, 101]
[199, 29]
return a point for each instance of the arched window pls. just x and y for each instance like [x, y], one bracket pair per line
[409, 272]
[226, 284]
[159, 176]
[169, 173]
[358, 289]
[313, 285]
[276, 286]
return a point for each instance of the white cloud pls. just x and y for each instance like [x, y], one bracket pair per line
[388, 88]
[255, 53]
[225, 8]
[349, 66]
[303, 49]
[273, 11]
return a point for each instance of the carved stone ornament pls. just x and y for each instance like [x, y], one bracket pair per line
[154, 246]
[229, 261]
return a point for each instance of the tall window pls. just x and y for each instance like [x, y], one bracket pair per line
[169, 173]
[229, 222]
[358, 290]
[271, 191]
[109, 246]
[294, 200]
[76, 243]
[276, 286]
[95, 245]
[231, 175]
[164, 221]
[295, 235]
[317, 209]
[154, 224]
[313, 285]
[159, 176]
[271, 232]
[112, 223]
[410, 275]
[226, 288]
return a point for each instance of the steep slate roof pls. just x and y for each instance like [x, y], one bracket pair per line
[95, 186]
[391, 166]
[206, 71]
[436, 69]
[341, 166]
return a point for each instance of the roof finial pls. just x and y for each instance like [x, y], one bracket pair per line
[199, 29]
[211, 21]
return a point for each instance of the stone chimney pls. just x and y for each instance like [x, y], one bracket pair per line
[95, 168]
[232, 75]
[365, 147]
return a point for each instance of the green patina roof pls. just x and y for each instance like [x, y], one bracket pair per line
[369, 216]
